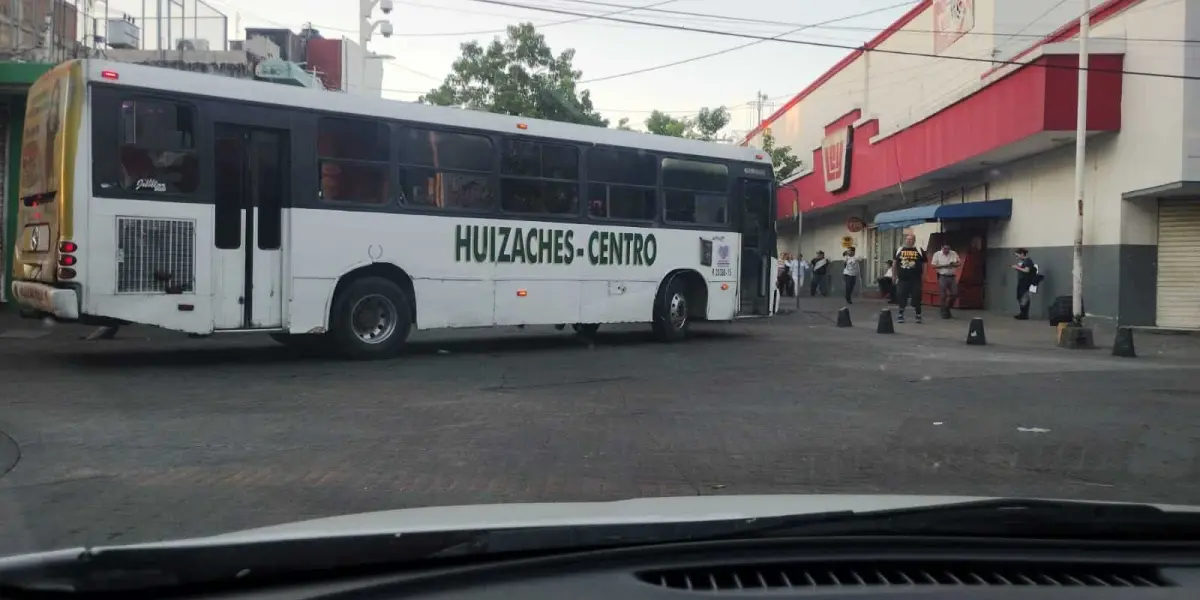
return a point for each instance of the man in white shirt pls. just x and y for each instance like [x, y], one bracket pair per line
[946, 264]
[851, 271]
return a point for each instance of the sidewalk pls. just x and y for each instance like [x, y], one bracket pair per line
[1001, 329]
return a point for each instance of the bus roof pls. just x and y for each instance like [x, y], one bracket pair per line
[201, 84]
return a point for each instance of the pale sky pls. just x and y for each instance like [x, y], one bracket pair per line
[427, 35]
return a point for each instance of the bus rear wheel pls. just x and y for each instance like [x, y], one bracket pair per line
[371, 319]
[671, 317]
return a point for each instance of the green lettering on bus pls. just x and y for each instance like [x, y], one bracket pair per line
[537, 245]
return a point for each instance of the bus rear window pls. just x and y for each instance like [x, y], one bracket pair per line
[157, 150]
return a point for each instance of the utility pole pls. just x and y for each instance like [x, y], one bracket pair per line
[1080, 337]
[366, 26]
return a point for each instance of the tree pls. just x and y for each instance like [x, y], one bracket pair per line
[660, 123]
[708, 123]
[704, 126]
[623, 124]
[518, 75]
[782, 159]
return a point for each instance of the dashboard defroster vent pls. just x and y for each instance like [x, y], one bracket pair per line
[751, 577]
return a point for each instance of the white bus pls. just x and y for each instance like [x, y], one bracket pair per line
[206, 204]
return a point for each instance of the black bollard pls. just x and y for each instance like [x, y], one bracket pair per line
[1123, 343]
[844, 317]
[885, 322]
[975, 334]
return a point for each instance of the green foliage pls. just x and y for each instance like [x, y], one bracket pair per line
[518, 75]
[782, 159]
[704, 126]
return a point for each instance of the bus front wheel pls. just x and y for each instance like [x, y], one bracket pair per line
[371, 319]
[671, 311]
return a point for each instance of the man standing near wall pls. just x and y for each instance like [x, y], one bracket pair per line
[910, 260]
[946, 265]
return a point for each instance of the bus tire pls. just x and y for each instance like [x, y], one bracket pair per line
[371, 319]
[671, 320]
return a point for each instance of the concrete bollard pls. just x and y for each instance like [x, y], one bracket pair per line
[1123, 343]
[844, 317]
[885, 322]
[975, 334]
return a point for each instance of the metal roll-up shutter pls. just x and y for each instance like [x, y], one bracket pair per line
[1178, 303]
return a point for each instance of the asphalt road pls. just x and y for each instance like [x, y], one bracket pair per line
[136, 440]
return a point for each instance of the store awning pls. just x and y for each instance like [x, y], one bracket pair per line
[898, 219]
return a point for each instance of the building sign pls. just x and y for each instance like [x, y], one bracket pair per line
[847, 242]
[835, 159]
[855, 225]
[952, 19]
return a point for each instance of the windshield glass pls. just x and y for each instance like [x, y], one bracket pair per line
[563, 279]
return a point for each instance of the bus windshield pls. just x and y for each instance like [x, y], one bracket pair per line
[41, 153]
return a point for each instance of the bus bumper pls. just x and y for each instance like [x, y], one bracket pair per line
[60, 303]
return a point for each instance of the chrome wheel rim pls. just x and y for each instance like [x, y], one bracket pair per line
[373, 319]
[678, 312]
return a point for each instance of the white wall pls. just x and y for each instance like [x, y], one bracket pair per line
[359, 77]
[1159, 140]
[1023, 21]
[1191, 95]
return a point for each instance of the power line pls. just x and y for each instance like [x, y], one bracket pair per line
[777, 23]
[738, 47]
[989, 61]
[625, 9]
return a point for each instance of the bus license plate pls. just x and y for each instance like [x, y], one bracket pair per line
[32, 293]
[723, 272]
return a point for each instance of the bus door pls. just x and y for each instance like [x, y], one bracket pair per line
[252, 180]
[757, 278]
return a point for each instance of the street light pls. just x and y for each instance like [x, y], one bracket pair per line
[367, 27]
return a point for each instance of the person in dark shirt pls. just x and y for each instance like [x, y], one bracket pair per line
[910, 262]
[1026, 276]
[820, 268]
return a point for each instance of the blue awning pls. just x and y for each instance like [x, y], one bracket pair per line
[898, 219]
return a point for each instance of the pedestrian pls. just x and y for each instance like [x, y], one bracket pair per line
[910, 261]
[783, 280]
[945, 263]
[1026, 278]
[887, 283]
[820, 268]
[794, 265]
[850, 272]
[801, 272]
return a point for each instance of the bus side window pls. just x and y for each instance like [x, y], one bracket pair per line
[157, 147]
[621, 184]
[539, 178]
[695, 192]
[445, 170]
[352, 161]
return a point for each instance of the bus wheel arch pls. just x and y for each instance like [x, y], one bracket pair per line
[684, 285]
[387, 271]
[372, 312]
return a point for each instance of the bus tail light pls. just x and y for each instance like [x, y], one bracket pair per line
[67, 258]
[724, 287]
[110, 75]
[522, 293]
